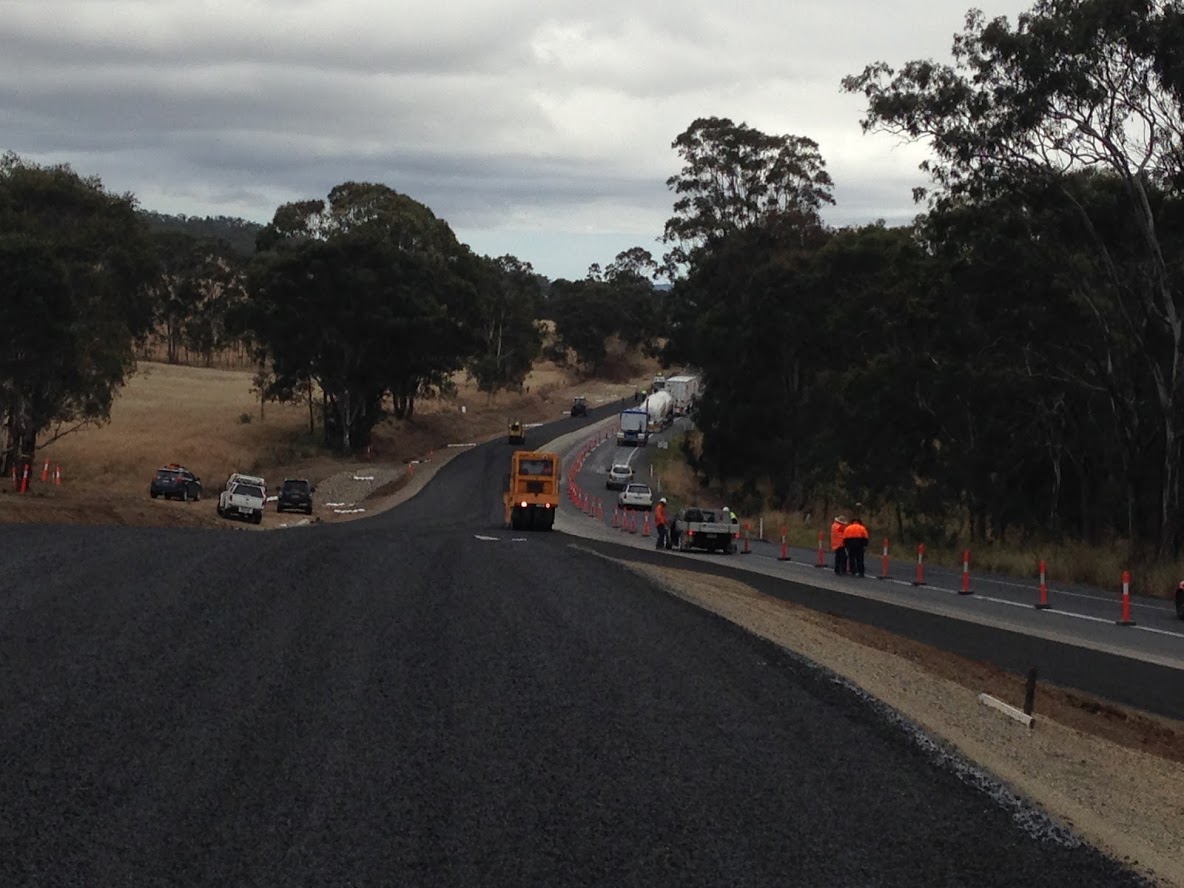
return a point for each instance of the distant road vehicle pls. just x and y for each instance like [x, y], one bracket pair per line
[517, 434]
[295, 495]
[619, 477]
[579, 406]
[636, 496]
[174, 481]
[242, 501]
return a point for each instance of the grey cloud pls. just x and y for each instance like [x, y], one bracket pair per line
[505, 118]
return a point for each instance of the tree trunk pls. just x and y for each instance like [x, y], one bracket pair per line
[343, 413]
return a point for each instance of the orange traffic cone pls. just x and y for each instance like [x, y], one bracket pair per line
[45, 471]
[57, 475]
[645, 526]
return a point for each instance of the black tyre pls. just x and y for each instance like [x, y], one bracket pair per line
[153, 495]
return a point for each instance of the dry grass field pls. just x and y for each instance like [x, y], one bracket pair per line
[210, 421]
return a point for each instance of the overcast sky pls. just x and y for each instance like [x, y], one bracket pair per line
[540, 129]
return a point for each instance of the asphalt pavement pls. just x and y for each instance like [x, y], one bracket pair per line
[422, 697]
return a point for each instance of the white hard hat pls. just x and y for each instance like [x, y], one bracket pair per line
[662, 500]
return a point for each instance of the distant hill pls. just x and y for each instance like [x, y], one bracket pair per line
[239, 233]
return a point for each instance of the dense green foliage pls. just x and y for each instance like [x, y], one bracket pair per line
[238, 234]
[75, 267]
[1016, 356]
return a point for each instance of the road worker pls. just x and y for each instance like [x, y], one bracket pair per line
[660, 524]
[837, 545]
[855, 542]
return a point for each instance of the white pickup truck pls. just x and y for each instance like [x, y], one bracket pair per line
[242, 501]
[699, 528]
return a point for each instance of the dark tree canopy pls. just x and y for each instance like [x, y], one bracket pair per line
[75, 267]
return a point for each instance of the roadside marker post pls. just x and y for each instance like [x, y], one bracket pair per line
[884, 562]
[920, 580]
[1042, 604]
[1126, 600]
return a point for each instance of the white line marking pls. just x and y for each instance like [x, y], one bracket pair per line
[1159, 631]
[487, 539]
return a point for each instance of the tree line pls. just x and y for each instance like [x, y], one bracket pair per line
[360, 304]
[1015, 356]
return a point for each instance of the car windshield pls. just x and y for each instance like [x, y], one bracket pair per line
[639, 488]
[295, 487]
[167, 475]
[248, 490]
[622, 470]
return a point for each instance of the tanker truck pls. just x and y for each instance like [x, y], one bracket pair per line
[660, 408]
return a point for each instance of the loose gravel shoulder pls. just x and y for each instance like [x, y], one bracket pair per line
[1124, 801]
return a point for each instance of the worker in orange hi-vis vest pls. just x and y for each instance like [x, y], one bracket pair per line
[855, 542]
[837, 545]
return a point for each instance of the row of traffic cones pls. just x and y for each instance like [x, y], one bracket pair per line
[21, 476]
[626, 519]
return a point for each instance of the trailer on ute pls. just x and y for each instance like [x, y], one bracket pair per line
[532, 490]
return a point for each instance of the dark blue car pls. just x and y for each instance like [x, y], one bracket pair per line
[175, 482]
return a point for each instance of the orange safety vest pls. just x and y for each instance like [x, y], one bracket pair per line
[836, 535]
[659, 514]
[855, 531]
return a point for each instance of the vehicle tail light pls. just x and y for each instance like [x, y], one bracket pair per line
[736, 535]
[523, 504]
[690, 533]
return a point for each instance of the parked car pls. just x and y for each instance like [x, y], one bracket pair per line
[636, 496]
[619, 477]
[175, 482]
[579, 406]
[295, 493]
[240, 478]
[242, 501]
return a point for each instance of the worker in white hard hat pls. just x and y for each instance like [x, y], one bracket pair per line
[660, 524]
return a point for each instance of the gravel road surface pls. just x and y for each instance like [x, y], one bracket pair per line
[397, 701]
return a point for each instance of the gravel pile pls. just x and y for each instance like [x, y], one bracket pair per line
[346, 491]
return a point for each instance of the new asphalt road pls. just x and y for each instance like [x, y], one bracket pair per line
[422, 698]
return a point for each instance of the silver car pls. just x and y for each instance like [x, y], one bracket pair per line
[619, 477]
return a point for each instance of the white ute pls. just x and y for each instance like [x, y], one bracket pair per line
[243, 501]
[636, 496]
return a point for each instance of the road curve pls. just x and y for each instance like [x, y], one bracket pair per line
[398, 701]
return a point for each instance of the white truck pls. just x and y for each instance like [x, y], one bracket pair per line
[684, 390]
[659, 408]
[697, 528]
[242, 500]
[634, 428]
